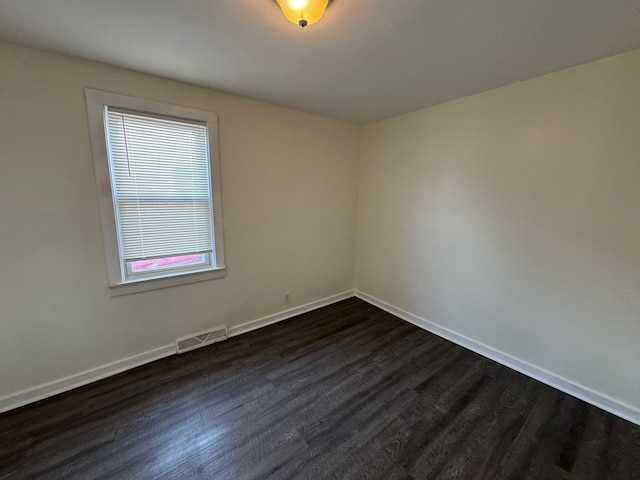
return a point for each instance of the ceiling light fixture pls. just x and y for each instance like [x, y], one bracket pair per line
[303, 12]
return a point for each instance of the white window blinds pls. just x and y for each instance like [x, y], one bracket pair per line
[161, 185]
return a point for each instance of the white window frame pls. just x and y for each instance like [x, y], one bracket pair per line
[119, 282]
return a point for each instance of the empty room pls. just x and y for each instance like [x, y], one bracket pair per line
[320, 239]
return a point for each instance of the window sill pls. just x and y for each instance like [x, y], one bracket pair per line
[136, 286]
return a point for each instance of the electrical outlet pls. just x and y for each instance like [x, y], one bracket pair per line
[287, 297]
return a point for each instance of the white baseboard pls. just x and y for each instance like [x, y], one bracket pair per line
[567, 386]
[55, 387]
[292, 312]
[600, 400]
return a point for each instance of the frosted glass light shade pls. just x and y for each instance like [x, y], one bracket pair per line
[303, 12]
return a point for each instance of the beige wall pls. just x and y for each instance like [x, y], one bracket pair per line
[513, 217]
[289, 200]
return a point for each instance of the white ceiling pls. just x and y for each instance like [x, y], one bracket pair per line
[365, 60]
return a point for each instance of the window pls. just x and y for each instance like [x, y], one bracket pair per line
[158, 179]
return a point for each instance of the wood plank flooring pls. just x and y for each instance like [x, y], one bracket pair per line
[344, 392]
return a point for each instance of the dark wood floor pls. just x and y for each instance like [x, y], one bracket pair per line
[347, 391]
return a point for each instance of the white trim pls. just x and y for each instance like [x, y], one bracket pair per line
[292, 312]
[598, 399]
[40, 392]
[96, 102]
[55, 387]
[147, 284]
